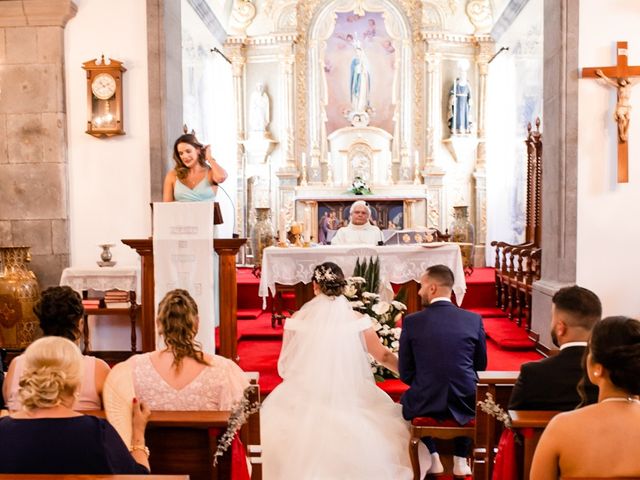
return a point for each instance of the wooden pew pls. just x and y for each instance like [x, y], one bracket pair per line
[536, 421]
[28, 476]
[180, 443]
[499, 384]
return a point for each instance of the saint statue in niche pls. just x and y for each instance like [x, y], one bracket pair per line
[259, 109]
[460, 102]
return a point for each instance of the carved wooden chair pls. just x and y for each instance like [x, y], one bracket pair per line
[438, 429]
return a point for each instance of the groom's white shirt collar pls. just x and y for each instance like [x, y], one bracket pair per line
[573, 344]
[441, 299]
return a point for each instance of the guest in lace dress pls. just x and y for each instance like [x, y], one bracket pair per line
[60, 311]
[48, 436]
[600, 440]
[178, 376]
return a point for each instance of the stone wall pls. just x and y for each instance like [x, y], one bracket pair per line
[33, 160]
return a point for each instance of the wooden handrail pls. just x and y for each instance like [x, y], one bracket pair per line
[531, 418]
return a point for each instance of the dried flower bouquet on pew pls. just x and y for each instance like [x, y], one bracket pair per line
[240, 413]
[361, 291]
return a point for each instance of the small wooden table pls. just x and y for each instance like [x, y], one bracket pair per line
[227, 249]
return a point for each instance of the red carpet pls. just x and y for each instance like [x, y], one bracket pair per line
[507, 334]
[259, 344]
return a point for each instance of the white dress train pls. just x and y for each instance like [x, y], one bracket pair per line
[328, 420]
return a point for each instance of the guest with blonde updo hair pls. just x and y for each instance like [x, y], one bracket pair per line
[179, 376]
[48, 436]
[59, 312]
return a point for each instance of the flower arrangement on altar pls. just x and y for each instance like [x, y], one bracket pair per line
[361, 291]
[359, 187]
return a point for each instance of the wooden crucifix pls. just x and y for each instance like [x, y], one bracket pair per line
[618, 78]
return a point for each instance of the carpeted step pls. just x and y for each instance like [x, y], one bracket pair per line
[486, 312]
[481, 291]
[507, 334]
[248, 313]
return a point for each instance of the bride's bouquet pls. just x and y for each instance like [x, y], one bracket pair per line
[360, 291]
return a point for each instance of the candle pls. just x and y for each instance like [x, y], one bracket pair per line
[304, 158]
[417, 157]
[282, 227]
[307, 224]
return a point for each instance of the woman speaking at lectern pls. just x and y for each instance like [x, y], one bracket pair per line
[196, 174]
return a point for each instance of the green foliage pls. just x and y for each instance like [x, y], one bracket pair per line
[370, 271]
[361, 290]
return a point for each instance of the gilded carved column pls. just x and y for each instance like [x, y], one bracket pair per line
[286, 61]
[434, 97]
[485, 49]
[433, 174]
[288, 173]
[237, 53]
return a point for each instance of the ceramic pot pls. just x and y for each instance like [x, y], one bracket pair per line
[19, 292]
[262, 235]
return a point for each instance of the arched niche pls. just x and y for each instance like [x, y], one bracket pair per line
[316, 21]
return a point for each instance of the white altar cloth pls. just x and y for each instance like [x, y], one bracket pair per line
[102, 279]
[398, 264]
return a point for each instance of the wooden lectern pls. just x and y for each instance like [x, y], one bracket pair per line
[227, 249]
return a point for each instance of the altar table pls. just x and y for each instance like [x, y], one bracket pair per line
[399, 264]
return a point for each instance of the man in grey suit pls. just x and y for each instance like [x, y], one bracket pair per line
[441, 349]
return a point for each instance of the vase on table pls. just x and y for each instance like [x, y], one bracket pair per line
[462, 232]
[19, 292]
[262, 235]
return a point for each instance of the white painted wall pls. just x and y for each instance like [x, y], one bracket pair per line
[109, 190]
[108, 178]
[608, 212]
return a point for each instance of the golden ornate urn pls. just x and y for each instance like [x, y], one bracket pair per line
[463, 233]
[19, 292]
[261, 234]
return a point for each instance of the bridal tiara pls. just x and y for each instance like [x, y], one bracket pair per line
[324, 274]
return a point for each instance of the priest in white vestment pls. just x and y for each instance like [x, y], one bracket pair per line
[360, 230]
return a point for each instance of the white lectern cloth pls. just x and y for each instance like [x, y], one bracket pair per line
[183, 258]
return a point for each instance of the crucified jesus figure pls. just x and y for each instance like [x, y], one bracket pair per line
[623, 107]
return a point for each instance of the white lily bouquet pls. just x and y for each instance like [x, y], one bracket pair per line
[385, 315]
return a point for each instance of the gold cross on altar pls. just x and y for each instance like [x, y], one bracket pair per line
[618, 78]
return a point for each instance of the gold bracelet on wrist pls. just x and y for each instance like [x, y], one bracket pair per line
[141, 448]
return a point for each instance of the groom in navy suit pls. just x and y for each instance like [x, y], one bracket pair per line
[441, 349]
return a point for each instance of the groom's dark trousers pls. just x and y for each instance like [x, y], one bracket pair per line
[441, 350]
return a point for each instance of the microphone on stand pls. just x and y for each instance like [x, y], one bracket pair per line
[233, 229]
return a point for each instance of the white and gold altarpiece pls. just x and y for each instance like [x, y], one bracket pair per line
[359, 88]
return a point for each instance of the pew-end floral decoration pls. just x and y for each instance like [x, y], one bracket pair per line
[240, 413]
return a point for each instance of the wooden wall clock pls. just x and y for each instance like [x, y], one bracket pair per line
[104, 97]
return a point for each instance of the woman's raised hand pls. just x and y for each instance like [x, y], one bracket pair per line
[207, 153]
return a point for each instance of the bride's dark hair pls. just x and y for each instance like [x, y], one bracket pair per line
[329, 278]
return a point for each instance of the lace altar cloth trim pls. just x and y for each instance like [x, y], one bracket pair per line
[398, 264]
[102, 279]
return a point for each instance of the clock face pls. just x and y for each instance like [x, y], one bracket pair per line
[103, 86]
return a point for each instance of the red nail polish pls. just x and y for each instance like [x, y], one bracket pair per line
[135, 400]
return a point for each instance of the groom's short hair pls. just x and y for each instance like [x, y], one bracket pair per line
[441, 274]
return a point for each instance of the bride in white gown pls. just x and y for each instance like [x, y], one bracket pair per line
[328, 420]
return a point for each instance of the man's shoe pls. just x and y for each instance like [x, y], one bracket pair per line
[436, 465]
[460, 467]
